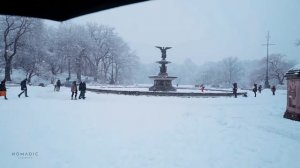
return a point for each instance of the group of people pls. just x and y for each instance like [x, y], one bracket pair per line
[3, 89]
[74, 90]
[255, 89]
[81, 88]
[259, 89]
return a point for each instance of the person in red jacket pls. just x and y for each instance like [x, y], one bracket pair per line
[3, 89]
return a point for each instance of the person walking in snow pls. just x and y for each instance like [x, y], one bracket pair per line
[202, 87]
[82, 89]
[3, 89]
[57, 85]
[259, 88]
[254, 89]
[74, 90]
[23, 88]
[234, 89]
[273, 89]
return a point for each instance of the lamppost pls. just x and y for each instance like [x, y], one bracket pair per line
[267, 84]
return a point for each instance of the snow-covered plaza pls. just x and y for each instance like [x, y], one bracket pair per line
[117, 131]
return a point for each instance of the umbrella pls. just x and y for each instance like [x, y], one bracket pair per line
[58, 10]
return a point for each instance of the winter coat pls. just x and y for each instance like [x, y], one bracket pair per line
[58, 83]
[273, 88]
[82, 86]
[74, 88]
[2, 86]
[234, 89]
[23, 85]
[259, 88]
[255, 88]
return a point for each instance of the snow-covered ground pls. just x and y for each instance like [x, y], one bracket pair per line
[117, 131]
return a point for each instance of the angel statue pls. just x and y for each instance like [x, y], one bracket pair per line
[163, 51]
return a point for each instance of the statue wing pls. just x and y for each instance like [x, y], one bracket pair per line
[167, 48]
[158, 47]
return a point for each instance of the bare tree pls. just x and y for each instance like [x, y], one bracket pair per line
[93, 50]
[278, 66]
[31, 53]
[70, 44]
[12, 28]
[231, 70]
[101, 36]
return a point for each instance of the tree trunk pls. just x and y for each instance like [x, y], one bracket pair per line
[79, 74]
[8, 70]
[69, 69]
[95, 76]
[29, 77]
[281, 80]
[116, 73]
[95, 73]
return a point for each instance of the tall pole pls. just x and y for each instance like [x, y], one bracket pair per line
[267, 85]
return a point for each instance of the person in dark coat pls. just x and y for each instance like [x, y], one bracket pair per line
[254, 89]
[259, 88]
[23, 88]
[202, 87]
[273, 89]
[3, 89]
[82, 89]
[234, 89]
[57, 85]
[74, 90]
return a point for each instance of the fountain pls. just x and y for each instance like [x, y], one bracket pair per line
[162, 82]
[163, 85]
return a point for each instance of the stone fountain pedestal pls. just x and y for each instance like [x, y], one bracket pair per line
[163, 82]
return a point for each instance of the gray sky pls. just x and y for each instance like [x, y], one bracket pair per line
[205, 30]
